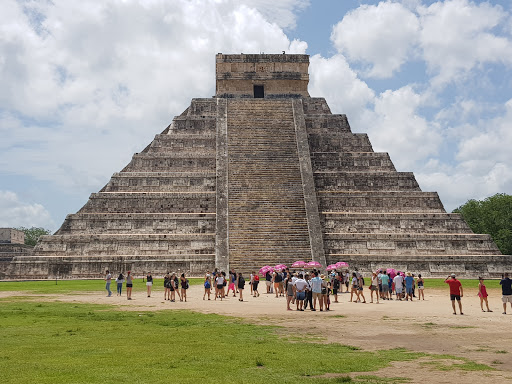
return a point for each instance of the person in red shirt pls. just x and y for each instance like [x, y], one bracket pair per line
[456, 292]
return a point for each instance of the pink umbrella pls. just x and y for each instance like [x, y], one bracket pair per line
[341, 264]
[313, 264]
[265, 269]
[331, 267]
[391, 272]
[299, 264]
[280, 266]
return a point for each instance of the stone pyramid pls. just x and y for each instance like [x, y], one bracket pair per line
[262, 173]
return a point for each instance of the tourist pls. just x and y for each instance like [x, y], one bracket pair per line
[384, 278]
[207, 286]
[309, 293]
[409, 286]
[278, 283]
[268, 282]
[119, 281]
[361, 286]
[482, 294]
[129, 285]
[316, 289]
[336, 284]
[173, 287]
[290, 291]
[184, 287]
[219, 286]
[354, 289]
[300, 291]
[390, 288]
[108, 281]
[326, 288]
[456, 292]
[240, 283]
[224, 284]
[374, 287]
[232, 280]
[346, 280]
[398, 280]
[149, 283]
[421, 288]
[251, 282]
[167, 290]
[506, 291]
[255, 283]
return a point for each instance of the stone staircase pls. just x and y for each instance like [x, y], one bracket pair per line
[267, 217]
[371, 212]
[157, 214]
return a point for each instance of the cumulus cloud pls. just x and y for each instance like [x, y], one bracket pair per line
[457, 36]
[381, 37]
[333, 79]
[17, 213]
[87, 84]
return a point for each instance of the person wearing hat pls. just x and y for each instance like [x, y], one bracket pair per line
[456, 292]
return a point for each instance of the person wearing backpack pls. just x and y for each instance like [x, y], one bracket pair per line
[240, 282]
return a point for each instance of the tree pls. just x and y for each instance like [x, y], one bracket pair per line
[493, 216]
[33, 234]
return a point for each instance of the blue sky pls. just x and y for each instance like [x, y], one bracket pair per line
[87, 84]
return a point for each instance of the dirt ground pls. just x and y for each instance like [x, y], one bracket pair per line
[423, 326]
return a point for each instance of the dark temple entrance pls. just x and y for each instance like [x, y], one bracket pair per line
[259, 93]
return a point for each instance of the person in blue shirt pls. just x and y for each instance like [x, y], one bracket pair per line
[506, 291]
[316, 288]
[409, 284]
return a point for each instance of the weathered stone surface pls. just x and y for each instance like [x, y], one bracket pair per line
[241, 181]
[11, 236]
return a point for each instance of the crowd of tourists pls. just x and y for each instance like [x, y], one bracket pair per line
[312, 288]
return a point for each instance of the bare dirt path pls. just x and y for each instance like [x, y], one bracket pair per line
[423, 326]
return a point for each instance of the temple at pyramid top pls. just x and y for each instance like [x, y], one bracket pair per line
[262, 76]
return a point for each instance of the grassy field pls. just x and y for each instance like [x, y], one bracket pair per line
[77, 286]
[55, 342]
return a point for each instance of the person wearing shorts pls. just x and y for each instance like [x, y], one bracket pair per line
[456, 292]
[129, 285]
[149, 283]
[268, 282]
[384, 278]
[506, 291]
[316, 288]
[374, 287]
[300, 291]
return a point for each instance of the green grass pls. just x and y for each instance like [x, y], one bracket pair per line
[79, 286]
[63, 343]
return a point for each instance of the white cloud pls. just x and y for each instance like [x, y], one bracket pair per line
[333, 79]
[17, 213]
[458, 35]
[86, 84]
[380, 36]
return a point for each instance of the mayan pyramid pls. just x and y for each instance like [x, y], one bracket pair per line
[261, 173]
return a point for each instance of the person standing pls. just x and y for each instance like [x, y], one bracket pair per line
[398, 280]
[268, 281]
[119, 281]
[384, 278]
[219, 286]
[421, 292]
[255, 283]
[149, 283]
[240, 282]
[409, 286]
[300, 291]
[482, 294]
[355, 288]
[167, 289]
[374, 287]
[184, 287]
[108, 281]
[456, 292]
[207, 286]
[316, 288]
[129, 285]
[506, 291]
